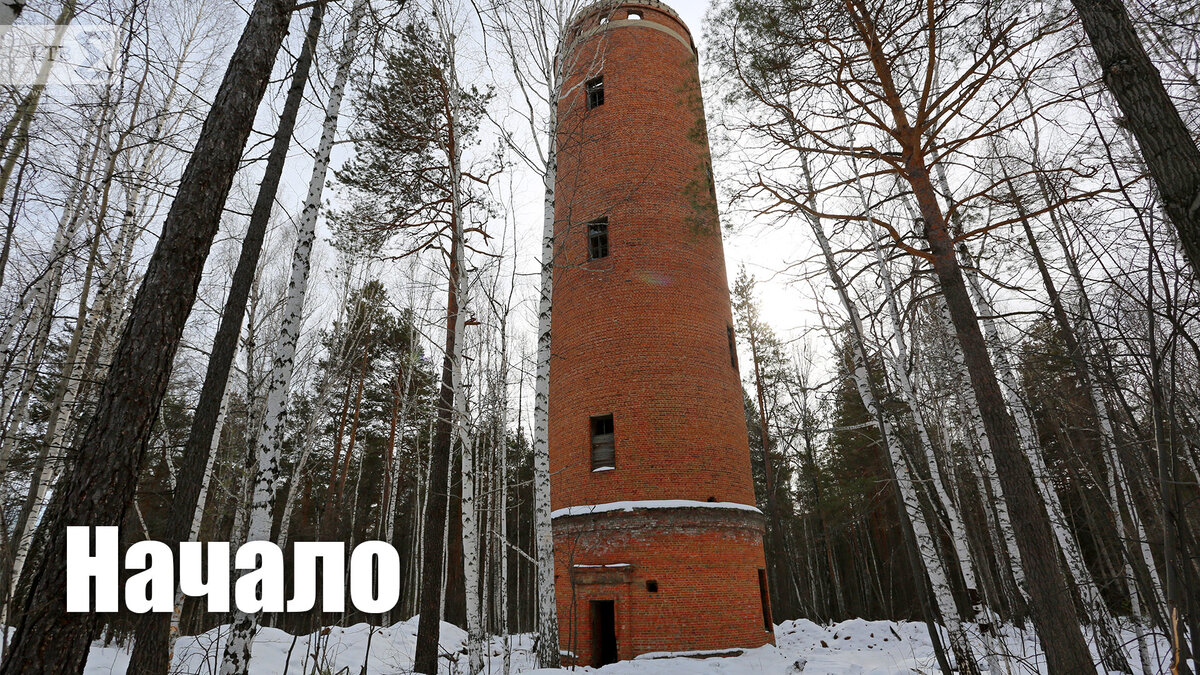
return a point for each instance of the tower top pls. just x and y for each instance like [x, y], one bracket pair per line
[607, 14]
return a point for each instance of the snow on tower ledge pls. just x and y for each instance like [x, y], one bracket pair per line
[630, 506]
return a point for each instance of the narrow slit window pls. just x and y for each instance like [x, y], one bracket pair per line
[732, 347]
[595, 92]
[604, 452]
[766, 600]
[598, 239]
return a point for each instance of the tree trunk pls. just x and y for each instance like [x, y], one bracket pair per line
[1167, 146]
[429, 629]
[99, 484]
[1050, 603]
[150, 651]
[429, 625]
[15, 136]
[548, 654]
[927, 565]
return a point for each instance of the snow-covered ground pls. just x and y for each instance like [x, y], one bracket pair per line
[854, 647]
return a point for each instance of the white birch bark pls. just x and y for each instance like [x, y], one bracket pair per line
[40, 300]
[925, 542]
[502, 448]
[1139, 531]
[46, 292]
[309, 442]
[1103, 623]
[75, 368]
[236, 658]
[899, 361]
[86, 203]
[530, 33]
[548, 650]
[1003, 517]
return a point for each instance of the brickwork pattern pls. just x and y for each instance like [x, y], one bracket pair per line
[642, 334]
[705, 567]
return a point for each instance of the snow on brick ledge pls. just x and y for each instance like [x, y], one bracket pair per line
[649, 504]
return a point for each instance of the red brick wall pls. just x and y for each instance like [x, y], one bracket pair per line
[642, 335]
[706, 567]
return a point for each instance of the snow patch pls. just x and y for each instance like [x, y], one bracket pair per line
[856, 646]
[690, 654]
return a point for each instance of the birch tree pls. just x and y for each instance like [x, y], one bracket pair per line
[410, 183]
[865, 45]
[99, 485]
[269, 438]
[531, 33]
[151, 653]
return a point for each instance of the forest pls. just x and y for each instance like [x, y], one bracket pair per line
[283, 271]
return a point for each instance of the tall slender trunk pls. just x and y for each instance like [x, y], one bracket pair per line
[1175, 592]
[899, 361]
[470, 525]
[1098, 412]
[269, 440]
[548, 654]
[928, 564]
[1050, 604]
[1103, 624]
[99, 484]
[432, 550]
[1124, 484]
[15, 136]
[1167, 146]
[436, 530]
[151, 649]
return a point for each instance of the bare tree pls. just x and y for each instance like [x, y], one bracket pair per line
[98, 484]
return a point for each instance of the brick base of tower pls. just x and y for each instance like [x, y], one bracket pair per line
[678, 580]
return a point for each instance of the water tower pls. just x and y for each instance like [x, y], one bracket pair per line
[658, 545]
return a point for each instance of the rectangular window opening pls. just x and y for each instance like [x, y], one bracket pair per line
[604, 451]
[651, 586]
[598, 239]
[732, 347]
[766, 601]
[595, 91]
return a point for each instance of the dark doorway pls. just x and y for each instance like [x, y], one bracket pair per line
[604, 632]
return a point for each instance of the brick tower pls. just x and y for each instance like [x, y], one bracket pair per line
[658, 545]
